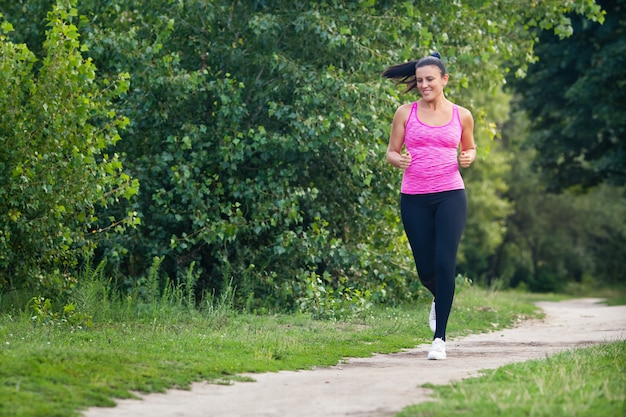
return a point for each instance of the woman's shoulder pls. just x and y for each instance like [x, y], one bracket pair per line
[404, 110]
[463, 112]
[465, 116]
[406, 107]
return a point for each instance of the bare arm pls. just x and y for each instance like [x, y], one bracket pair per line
[396, 139]
[468, 147]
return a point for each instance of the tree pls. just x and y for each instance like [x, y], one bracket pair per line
[554, 240]
[576, 98]
[57, 136]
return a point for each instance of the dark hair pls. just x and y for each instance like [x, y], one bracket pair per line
[405, 73]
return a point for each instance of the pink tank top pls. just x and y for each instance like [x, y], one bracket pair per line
[434, 165]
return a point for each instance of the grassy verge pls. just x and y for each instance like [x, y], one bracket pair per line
[56, 368]
[584, 382]
[615, 295]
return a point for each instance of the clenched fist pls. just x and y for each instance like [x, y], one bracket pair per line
[405, 161]
[467, 157]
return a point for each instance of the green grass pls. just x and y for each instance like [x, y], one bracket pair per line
[579, 383]
[615, 295]
[57, 366]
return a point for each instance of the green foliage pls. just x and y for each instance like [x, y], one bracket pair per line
[271, 141]
[576, 100]
[57, 162]
[486, 186]
[556, 239]
[323, 300]
[258, 133]
[44, 314]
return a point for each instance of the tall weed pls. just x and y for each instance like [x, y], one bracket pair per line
[155, 298]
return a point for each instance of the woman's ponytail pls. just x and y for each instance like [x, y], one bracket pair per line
[402, 74]
[405, 73]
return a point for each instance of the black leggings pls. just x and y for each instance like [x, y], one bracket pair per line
[434, 224]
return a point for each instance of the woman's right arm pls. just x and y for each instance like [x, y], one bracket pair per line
[396, 139]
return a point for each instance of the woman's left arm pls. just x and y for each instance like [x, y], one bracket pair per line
[468, 147]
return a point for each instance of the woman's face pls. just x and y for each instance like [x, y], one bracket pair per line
[430, 83]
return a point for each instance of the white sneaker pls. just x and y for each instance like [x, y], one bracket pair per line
[432, 318]
[437, 350]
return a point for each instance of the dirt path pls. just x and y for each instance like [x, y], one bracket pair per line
[384, 384]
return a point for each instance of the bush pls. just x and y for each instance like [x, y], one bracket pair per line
[57, 159]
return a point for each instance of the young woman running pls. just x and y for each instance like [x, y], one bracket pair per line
[424, 142]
